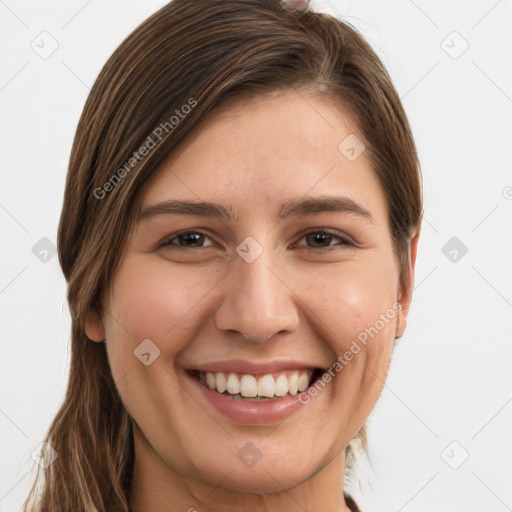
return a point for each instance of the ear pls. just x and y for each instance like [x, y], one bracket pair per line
[406, 287]
[94, 329]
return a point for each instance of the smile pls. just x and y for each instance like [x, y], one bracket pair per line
[254, 392]
[258, 387]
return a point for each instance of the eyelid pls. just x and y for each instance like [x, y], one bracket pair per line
[166, 241]
[345, 239]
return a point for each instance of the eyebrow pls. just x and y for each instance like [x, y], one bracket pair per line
[291, 208]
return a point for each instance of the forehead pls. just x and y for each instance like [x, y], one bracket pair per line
[251, 153]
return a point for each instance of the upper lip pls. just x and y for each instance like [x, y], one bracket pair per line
[252, 367]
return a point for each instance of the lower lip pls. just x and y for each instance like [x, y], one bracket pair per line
[245, 411]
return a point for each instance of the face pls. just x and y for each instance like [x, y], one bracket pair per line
[287, 291]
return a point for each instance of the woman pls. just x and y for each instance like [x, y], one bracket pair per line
[239, 233]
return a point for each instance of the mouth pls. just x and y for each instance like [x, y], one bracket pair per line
[263, 387]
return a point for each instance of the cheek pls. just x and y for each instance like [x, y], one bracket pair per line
[357, 306]
[353, 297]
[158, 300]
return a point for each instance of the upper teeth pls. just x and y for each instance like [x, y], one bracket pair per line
[268, 385]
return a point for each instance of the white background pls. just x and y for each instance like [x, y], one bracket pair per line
[451, 377]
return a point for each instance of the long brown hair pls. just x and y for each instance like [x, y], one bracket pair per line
[194, 53]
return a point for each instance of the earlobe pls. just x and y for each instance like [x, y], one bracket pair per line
[405, 297]
[94, 328]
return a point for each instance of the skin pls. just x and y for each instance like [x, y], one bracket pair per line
[313, 295]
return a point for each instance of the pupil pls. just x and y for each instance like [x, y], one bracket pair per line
[320, 237]
[191, 237]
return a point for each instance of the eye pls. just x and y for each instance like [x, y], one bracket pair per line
[318, 239]
[324, 237]
[195, 238]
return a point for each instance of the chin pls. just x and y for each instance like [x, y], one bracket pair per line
[264, 477]
[261, 482]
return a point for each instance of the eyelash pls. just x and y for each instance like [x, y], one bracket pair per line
[345, 241]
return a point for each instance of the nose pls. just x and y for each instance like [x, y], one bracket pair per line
[257, 300]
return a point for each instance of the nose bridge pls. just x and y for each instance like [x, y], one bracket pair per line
[256, 303]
